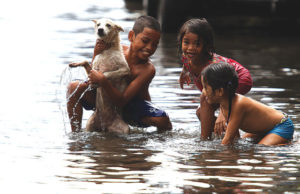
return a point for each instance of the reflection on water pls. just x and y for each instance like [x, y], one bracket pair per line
[39, 154]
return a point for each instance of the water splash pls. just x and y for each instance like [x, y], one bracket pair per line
[67, 76]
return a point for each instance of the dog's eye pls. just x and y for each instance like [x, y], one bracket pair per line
[108, 25]
[98, 24]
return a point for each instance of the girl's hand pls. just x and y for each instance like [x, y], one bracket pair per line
[96, 77]
[184, 78]
[220, 125]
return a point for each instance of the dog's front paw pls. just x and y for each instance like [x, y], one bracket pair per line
[80, 64]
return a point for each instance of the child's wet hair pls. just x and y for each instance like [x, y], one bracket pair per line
[222, 75]
[203, 29]
[145, 22]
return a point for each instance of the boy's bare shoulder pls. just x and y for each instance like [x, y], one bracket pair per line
[145, 69]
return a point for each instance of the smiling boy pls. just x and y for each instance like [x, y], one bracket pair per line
[135, 100]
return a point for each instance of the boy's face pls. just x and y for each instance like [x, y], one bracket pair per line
[145, 43]
[191, 45]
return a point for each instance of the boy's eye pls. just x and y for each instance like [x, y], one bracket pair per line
[185, 42]
[108, 25]
[145, 40]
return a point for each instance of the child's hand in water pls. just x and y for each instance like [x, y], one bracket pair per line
[220, 125]
[184, 78]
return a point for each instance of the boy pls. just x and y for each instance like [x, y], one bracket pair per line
[135, 100]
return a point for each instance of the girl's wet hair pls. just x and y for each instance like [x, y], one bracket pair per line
[222, 75]
[203, 29]
[145, 22]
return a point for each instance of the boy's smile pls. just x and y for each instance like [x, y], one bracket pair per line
[145, 43]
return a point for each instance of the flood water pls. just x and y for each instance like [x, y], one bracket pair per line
[39, 154]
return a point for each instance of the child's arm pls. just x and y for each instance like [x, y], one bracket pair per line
[99, 47]
[237, 114]
[184, 77]
[220, 125]
[120, 99]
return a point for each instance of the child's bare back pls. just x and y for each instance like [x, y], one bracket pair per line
[255, 117]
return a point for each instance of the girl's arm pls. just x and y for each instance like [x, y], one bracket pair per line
[235, 120]
[184, 77]
[220, 125]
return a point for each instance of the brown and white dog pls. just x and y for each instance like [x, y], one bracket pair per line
[112, 63]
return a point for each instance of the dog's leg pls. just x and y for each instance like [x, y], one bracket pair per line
[118, 125]
[90, 124]
[84, 64]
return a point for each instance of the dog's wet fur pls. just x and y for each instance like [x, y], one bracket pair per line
[112, 63]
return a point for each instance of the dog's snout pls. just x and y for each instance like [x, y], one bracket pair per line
[101, 31]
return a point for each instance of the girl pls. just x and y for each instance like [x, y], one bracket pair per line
[195, 42]
[271, 126]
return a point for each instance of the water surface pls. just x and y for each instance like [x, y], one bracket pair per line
[39, 154]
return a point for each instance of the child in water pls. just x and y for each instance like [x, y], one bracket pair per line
[135, 100]
[195, 42]
[270, 126]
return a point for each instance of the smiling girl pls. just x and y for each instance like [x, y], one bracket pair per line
[196, 44]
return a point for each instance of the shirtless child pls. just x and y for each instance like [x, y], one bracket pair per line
[135, 100]
[270, 126]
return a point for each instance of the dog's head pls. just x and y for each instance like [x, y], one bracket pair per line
[106, 29]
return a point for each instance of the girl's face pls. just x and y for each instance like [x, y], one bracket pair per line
[192, 45]
[208, 92]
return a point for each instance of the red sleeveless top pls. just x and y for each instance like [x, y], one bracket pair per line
[245, 80]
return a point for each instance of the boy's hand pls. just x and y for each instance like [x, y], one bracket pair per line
[96, 77]
[100, 46]
[220, 125]
[184, 78]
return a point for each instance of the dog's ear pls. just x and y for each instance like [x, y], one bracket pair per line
[94, 20]
[119, 28]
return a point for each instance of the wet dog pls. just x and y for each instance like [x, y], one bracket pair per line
[112, 63]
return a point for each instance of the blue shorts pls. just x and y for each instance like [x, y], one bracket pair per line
[137, 109]
[284, 129]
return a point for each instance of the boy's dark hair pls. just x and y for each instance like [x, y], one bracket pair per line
[145, 22]
[203, 29]
[222, 75]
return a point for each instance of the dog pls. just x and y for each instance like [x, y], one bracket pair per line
[112, 63]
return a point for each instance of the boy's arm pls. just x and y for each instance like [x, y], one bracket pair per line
[234, 124]
[99, 47]
[120, 99]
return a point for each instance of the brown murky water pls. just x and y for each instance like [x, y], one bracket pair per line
[39, 154]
